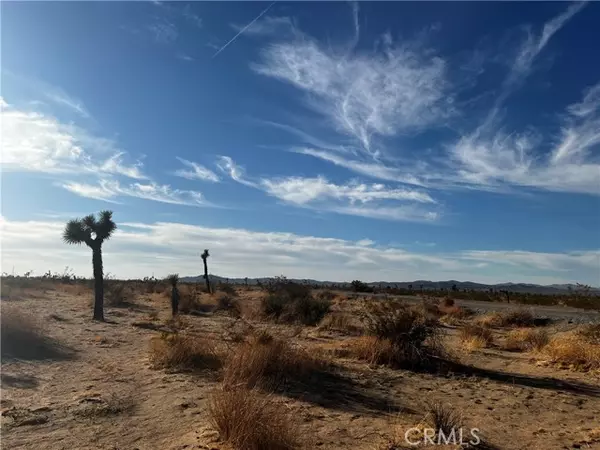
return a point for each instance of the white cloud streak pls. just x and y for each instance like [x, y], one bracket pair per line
[35, 142]
[109, 189]
[376, 201]
[140, 249]
[196, 171]
[364, 96]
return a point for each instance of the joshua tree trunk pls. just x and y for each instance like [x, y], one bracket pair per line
[98, 283]
[206, 276]
[174, 300]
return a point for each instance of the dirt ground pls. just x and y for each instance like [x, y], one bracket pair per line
[52, 402]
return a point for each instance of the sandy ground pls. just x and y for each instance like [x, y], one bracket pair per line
[49, 403]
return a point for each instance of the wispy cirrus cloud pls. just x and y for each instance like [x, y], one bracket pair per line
[399, 90]
[37, 142]
[111, 189]
[402, 88]
[139, 249]
[376, 201]
[196, 171]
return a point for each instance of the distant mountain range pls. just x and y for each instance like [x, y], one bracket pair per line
[426, 284]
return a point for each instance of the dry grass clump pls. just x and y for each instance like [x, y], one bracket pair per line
[513, 318]
[229, 304]
[574, 352]
[372, 350]
[406, 337]
[475, 336]
[183, 352]
[341, 322]
[116, 293]
[249, 420]
[444, 418]
[23, 337]
[291, 302]
[526, 339]
[590, 333]
[267, 362]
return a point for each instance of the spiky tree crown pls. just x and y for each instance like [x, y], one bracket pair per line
[205, 254]
[90, 230]
[173, 279]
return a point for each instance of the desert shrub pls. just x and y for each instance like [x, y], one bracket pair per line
[526, 339]
[444, 418]
[590, 333]
[24, 337]
[512, 318]
[326, 295]
[307, 310]
[249, 420]
[292, 302]
[183, 352]
[372, 350]
[359, 286]
[116, 293]
[267, 362]
[574, 352]
[475, 336]
[339, 321]
[229, 304]
[228, 289]
[447, 302]
[415, 339]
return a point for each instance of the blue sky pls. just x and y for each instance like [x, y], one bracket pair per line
[380, 141]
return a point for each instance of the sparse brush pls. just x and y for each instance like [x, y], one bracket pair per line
[372, 350]
[249, 420]
[183, 352]
[326, 295]
[340, 322]
[116, 293]
[293, 303]
[23, 337]
[444, 418]
[526, 339]
[512, 318]
[447, 302]
[415, 339]
[475, 336]
[574, 352]
[229, 304]
[269, 363]
[590, 333]
[228, 289]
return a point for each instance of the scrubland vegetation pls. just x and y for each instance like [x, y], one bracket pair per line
[283, 366]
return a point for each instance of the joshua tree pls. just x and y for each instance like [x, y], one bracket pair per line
[93, 232]
[205, 256]
[173, 279]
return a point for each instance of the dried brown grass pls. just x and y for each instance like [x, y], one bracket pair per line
[340, 322]
[475, 336]
[267, 362]
[574, 352]
[249, 420]
[519, 317]
[23, 336]
[526, 339]
[183, 352]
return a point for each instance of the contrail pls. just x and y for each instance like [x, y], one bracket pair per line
[244, 29]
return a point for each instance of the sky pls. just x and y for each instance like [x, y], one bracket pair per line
[389, 141]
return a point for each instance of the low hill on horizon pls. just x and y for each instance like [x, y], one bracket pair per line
[426, 284]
